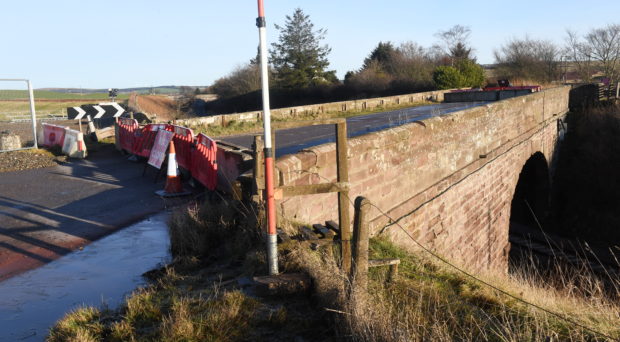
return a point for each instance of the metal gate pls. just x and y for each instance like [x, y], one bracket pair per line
[18, 124]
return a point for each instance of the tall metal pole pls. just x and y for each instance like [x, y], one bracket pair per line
[272, 242]
[33, 114]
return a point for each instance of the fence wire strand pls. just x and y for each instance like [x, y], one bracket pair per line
[466, 273]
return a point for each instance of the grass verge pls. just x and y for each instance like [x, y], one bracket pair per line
[200, 297]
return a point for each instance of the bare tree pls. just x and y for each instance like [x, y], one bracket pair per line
[414, 63]
[598, 49]
[407, 66]
[242, 80]
[528, 59]
[455, 43]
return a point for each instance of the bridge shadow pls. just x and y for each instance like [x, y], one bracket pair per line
[99, 195]
[536, 249]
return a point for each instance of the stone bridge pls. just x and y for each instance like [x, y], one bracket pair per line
[453, 182]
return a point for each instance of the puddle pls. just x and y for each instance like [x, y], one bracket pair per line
[103, 272]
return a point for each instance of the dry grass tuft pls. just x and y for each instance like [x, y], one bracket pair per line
[429, 302]
[218, 226]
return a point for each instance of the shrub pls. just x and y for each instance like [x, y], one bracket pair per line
[447, 77]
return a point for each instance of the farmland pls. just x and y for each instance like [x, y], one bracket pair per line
[53, 95]
[15, 102]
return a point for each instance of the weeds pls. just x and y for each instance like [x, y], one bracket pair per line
[198, 297]
[429, 302]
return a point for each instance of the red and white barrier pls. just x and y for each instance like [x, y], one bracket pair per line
[197, 154]
[125, 133]
[184, 142]
[74, 146]
[145, 137]
[52, 135]
[204, 164]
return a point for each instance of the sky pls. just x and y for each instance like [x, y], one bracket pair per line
[140, 43]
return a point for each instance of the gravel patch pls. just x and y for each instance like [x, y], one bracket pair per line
[28, 159]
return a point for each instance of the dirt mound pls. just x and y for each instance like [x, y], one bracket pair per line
[164, 107]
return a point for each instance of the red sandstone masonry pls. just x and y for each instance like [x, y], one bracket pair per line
[433, 180]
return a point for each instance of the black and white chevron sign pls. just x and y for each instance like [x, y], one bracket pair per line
[102, 110]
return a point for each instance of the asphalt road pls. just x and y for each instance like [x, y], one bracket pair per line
[46, 213]
[292, 140]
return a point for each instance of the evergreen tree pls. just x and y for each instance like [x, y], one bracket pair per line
[383, 54]
[298, 57]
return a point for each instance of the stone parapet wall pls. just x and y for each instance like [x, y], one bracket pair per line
[316, 109]
[448, 180]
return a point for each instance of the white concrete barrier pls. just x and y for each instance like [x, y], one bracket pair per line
[74, 146]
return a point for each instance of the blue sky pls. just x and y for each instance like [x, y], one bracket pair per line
[113, 43]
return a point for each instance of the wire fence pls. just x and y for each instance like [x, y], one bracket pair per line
[468, 274]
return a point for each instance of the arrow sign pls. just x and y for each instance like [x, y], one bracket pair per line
[100, 112]
[80, 113]
[119, 109]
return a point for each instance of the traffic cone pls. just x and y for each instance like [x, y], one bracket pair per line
[173, 186]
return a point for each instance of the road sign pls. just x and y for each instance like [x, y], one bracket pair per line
[102, 110]
[158, 152]
[119, 110]
[76, 113]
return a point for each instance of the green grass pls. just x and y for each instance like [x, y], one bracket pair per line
[10, 94]
[199, 299]
[196, 298]
[9, 108]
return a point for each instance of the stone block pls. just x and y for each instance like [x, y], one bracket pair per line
[9, 141]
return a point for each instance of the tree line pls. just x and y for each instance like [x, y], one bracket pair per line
[299, 66]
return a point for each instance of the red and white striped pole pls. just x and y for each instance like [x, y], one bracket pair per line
[272, 241]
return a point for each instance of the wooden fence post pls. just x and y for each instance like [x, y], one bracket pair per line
[344, 219]
[360, 241]
[259, 168]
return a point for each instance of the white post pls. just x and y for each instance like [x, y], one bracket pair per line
[33, 114]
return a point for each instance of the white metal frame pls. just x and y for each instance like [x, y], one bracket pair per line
[33, 114]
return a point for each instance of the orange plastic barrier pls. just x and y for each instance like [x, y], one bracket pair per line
[53, 135]
[145, 137]
[197, 154]
[183, 142]
[204, 164]
[126, 133]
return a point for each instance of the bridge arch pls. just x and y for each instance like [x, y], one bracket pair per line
[531, 199]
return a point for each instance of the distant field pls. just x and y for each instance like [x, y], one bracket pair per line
[52, 95]
[59, 107]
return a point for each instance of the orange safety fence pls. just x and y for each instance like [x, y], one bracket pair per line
[204, 163]
[126, 132]
[145, 137]
[197, 154]
[183, 142]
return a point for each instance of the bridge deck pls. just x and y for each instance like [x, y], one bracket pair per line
[292, 140]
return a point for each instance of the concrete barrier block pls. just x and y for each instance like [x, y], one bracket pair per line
[74, 145]
[9, 141]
